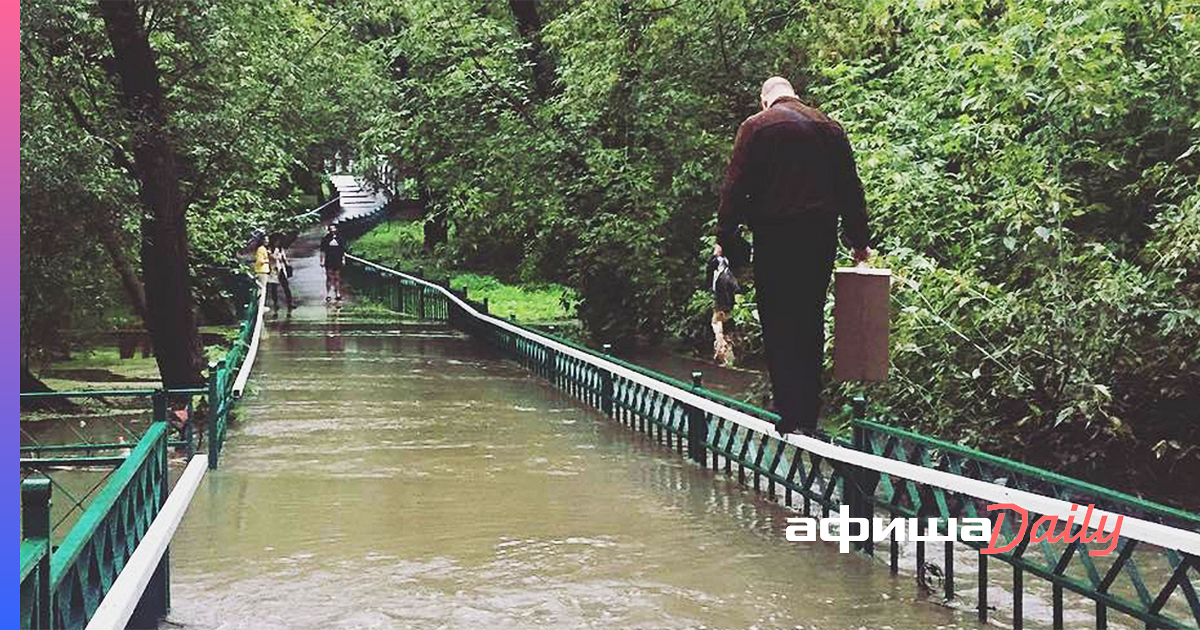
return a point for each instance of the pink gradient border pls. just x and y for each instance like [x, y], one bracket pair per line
[10, 279]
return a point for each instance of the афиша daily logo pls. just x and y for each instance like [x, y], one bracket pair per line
[844, 530]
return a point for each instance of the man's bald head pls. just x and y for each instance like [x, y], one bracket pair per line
[774, 88]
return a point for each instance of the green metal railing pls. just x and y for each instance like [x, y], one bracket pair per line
[399, 294]
[1139, 582]
[62, 586]
[222, 374]
[881, 470]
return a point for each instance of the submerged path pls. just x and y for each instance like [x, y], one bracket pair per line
[395, 474]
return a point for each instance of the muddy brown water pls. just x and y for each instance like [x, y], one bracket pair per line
[401, 475]
[408, 477]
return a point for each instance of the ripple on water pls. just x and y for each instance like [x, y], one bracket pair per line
[390, 482]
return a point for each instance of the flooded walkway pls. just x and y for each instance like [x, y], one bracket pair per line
[401, 475]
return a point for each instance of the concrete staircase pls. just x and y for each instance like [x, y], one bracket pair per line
[357, 202]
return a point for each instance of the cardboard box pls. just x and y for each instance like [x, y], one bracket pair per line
[860, 323]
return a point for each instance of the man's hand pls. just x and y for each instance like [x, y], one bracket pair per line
[862, 255]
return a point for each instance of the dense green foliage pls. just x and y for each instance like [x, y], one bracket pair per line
[1031, 169]
[255, 107]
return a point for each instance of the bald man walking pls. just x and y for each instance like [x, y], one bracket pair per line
[790, 178]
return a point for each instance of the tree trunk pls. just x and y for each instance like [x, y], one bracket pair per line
[31, 383]
[306, 181]
[124, 268]
[434, 225]
[436, 228]
[529, 25]
[169, 305]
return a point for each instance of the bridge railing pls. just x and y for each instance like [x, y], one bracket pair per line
[1149, 578]
[62, 586]
[65, 465]
[882, 468]
[418, 298]
[228, 375]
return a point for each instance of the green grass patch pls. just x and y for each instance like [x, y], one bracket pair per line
[109, 360]
[400, 244]
[392, 242]
[529, 302]
[101, 367]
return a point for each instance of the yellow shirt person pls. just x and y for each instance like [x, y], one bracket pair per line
[262, 260]
[262, 266]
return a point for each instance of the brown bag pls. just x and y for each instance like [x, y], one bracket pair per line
[860, 323]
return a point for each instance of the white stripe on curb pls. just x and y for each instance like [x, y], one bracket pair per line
[118, 605]
[239, 384]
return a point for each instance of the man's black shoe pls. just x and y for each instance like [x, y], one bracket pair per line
[782, 428]
[811, 432]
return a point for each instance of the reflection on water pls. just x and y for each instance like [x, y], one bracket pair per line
[407, 477]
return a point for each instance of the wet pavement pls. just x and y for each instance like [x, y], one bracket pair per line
[312, 302]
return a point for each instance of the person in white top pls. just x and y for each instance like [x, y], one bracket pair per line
[278, 277]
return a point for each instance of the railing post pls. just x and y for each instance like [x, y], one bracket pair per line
[606, 386]
[484, 306]
[35, 508]
[697, 427]
[860, 486]
[35, 525]
[159, 399]
[215, 395]
[983, 591]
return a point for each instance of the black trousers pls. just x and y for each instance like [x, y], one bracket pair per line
[793, 263]
[286, 285]
[273, 292]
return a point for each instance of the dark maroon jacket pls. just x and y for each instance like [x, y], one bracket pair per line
[791, 161]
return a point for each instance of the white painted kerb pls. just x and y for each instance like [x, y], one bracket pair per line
[116, 609]
[239, 383]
